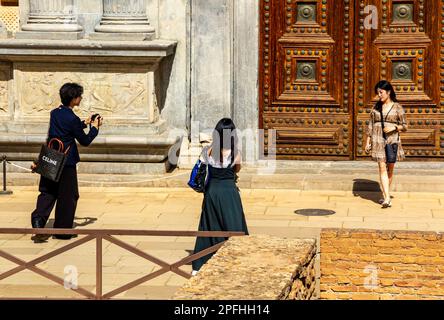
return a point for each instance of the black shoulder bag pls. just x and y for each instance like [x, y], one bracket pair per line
[51, 162]
[391, 150]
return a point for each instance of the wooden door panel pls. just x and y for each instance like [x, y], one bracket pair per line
[319, 64]
[405, 50]
[306, 77]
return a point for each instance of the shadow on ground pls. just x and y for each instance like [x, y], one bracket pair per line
[83, 222]
[367, 189]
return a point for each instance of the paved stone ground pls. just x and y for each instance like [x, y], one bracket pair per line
[271, 211]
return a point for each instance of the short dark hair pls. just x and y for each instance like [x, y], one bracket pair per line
[70, 91]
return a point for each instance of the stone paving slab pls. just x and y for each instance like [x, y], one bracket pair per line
[270, 211]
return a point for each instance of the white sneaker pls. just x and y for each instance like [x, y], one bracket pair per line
[194, 272]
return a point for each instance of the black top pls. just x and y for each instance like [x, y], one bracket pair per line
[222, 173]
[65, 125]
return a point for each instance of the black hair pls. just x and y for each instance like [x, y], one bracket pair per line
[384, 85]
[70, 91]
[225, 135]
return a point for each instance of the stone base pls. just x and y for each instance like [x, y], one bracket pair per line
[128, 154]
[49, 35]
[189, 153]
[121, 36]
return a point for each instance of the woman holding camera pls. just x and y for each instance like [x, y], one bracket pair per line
[387, 120]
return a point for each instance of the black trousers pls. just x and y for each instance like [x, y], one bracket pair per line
[65, 193]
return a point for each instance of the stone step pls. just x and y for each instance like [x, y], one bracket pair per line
[352, 176]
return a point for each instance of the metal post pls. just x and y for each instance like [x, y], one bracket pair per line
[4, 191]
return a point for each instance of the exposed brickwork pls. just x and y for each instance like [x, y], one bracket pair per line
[370, 264]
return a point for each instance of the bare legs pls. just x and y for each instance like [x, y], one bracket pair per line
[386, 178]
[390, 169]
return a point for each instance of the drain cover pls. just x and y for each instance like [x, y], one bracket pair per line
[314, 212]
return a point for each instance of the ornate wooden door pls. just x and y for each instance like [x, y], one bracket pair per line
[320, 60]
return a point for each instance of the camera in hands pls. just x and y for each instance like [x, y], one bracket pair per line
[94, 116]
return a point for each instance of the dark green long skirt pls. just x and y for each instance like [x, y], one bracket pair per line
[221, 210]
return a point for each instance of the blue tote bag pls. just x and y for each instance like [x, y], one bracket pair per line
[199, 177]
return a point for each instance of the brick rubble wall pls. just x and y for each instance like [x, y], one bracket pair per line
[371, 264]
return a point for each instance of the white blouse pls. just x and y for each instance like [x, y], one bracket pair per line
[207, 159]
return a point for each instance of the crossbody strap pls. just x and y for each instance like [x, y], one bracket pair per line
[382, 120]
[382, 124]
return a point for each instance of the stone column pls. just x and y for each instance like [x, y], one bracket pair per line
[51, 19]
[124, 20]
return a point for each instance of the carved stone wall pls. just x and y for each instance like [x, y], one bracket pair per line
[122, 82]
[195, 26]
[117, 93]
[4, 92]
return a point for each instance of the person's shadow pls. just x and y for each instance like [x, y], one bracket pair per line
[50, 224]
[84, 222]
[367, 189]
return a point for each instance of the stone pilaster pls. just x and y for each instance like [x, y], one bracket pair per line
[124, 20]
[51, 19]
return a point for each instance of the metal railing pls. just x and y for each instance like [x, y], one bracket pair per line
[4, 191]
[108, 235]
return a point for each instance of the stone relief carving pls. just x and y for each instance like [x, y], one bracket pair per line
[118, 95]
[4, 96]
[38, 93]
[114, 95]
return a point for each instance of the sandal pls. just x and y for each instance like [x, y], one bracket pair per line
[381, 201]
[386, 204]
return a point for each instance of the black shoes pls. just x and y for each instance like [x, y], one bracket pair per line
[37, 222]
[40, 238]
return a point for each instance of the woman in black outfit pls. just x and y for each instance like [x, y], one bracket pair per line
[222, 207]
